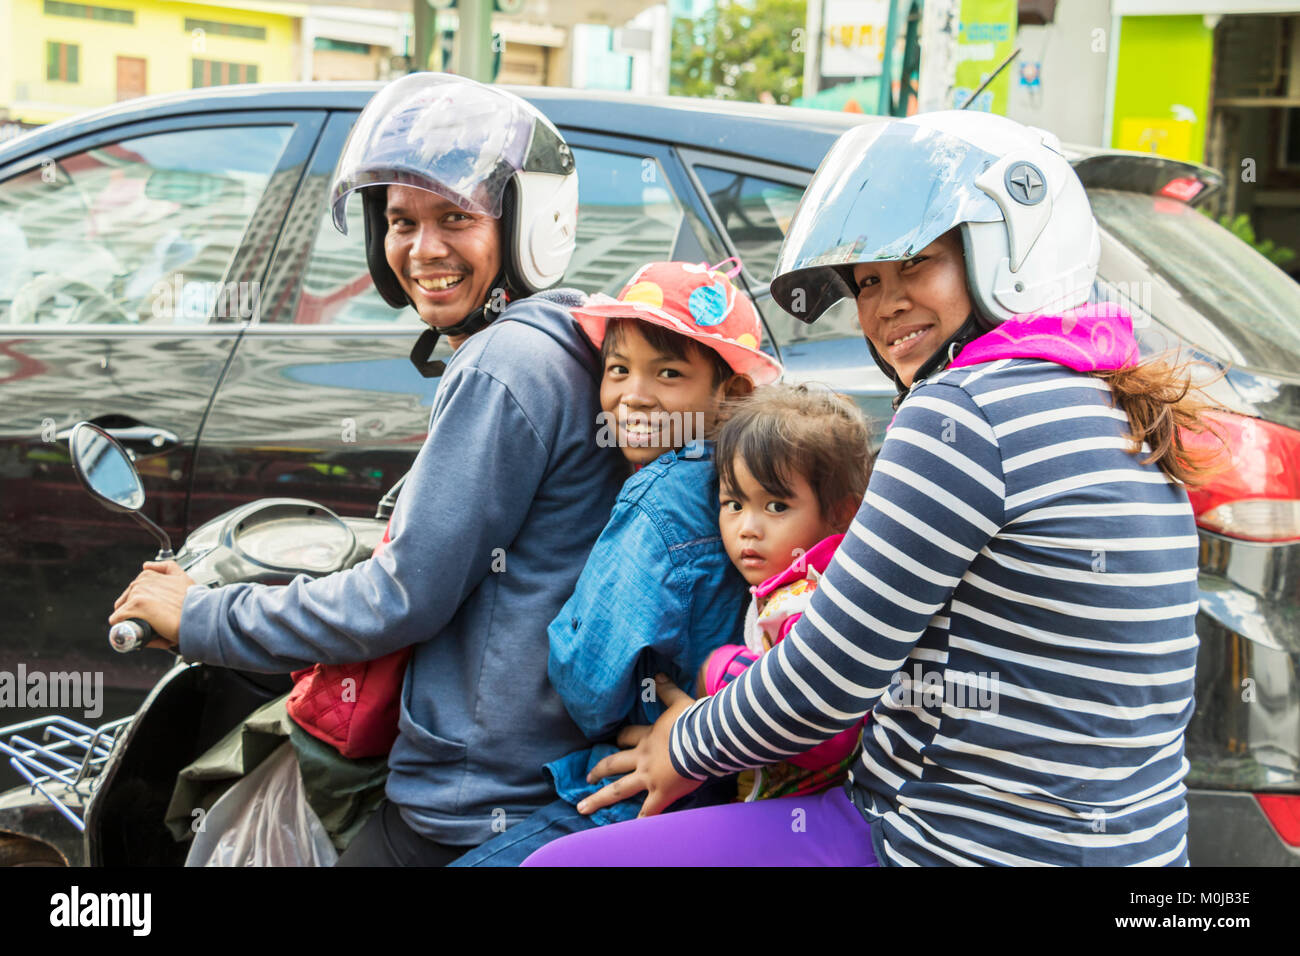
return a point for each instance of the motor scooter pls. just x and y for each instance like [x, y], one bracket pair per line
[96, 796]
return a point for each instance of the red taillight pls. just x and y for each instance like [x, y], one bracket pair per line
[1257, 497]
[1283, 812]
[1185, 188]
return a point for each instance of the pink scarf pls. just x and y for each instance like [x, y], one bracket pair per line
[1090, 338]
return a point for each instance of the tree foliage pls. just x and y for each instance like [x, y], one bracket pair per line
[1241, 227]
[741, 49]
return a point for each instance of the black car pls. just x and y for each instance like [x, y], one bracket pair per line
[168, 271]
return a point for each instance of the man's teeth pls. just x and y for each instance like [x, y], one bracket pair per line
[435, 284]
[909, 336]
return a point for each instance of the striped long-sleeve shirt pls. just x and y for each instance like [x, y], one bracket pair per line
[1015, 605]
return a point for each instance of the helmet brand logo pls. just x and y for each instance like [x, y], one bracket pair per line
[1025, 184]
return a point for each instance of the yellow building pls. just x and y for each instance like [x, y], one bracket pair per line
[59, 58]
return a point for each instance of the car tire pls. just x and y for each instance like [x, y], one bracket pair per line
[20, 851]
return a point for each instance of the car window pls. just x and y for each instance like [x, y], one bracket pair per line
[627, 216]
[755, 212]
[837, 322]
[136, 232]
[337, 288]
[1245, 309]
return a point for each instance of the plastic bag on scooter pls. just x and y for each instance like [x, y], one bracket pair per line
[264, 820]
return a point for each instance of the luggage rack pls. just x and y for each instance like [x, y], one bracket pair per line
[74, 759]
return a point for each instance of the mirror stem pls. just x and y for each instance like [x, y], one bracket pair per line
[164, 542]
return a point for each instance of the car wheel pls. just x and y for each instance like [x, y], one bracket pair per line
[20, 851]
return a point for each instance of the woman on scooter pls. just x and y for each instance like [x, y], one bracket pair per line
[1015, 602]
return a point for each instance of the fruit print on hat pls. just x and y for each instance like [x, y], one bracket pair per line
[651, 293]
[708, 304]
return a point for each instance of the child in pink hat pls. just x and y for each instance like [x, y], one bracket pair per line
[694, 300]
[658, 591]
[679, 339]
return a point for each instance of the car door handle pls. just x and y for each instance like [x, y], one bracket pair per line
[139, 439]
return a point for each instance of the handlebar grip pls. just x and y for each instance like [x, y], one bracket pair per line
[130, 635]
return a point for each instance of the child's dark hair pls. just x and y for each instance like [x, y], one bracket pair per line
[782, 430]
[669, 343]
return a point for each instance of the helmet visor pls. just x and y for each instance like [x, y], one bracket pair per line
[459, 139]
[883, 193]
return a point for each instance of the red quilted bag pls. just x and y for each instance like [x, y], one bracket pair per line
[352, 707]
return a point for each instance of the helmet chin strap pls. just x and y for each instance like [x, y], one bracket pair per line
[970, 330]
[476, 321]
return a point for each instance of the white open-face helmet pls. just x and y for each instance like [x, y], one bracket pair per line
[885, 191]
[479, 146]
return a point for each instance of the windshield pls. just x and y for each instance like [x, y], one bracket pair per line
[1252, 307]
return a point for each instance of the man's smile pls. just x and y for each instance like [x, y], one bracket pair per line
[443, 282]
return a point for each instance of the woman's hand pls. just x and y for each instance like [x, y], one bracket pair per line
[646, 764]
[157, 596]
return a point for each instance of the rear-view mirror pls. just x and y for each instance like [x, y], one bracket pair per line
[105, 469]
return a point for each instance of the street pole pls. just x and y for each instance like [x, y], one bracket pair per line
[423, 27]
[812, 49]
[939, 23]
[475, 40]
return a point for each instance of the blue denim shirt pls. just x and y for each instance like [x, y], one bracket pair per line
[658, 594]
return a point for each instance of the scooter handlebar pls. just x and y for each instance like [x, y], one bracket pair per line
[130, 635]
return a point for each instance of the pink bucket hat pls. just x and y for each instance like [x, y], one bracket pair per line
[695, 300]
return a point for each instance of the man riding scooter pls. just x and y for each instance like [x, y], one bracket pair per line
[470, 198]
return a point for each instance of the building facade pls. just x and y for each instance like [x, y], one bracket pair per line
[62, 58]
[59, 58]
[1208, 81]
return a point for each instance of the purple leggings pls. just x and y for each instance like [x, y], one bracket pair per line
[821, 830]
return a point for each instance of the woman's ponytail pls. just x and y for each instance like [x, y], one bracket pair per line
[1165, 411]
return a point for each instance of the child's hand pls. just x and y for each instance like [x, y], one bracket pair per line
[647, 764]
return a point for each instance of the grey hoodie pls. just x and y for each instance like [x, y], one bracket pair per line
[491, 531]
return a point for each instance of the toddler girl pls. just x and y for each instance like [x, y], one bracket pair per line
[793, 464]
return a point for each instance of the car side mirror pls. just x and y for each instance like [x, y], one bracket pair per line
[107, 471]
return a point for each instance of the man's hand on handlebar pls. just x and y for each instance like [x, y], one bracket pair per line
[157, 596]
